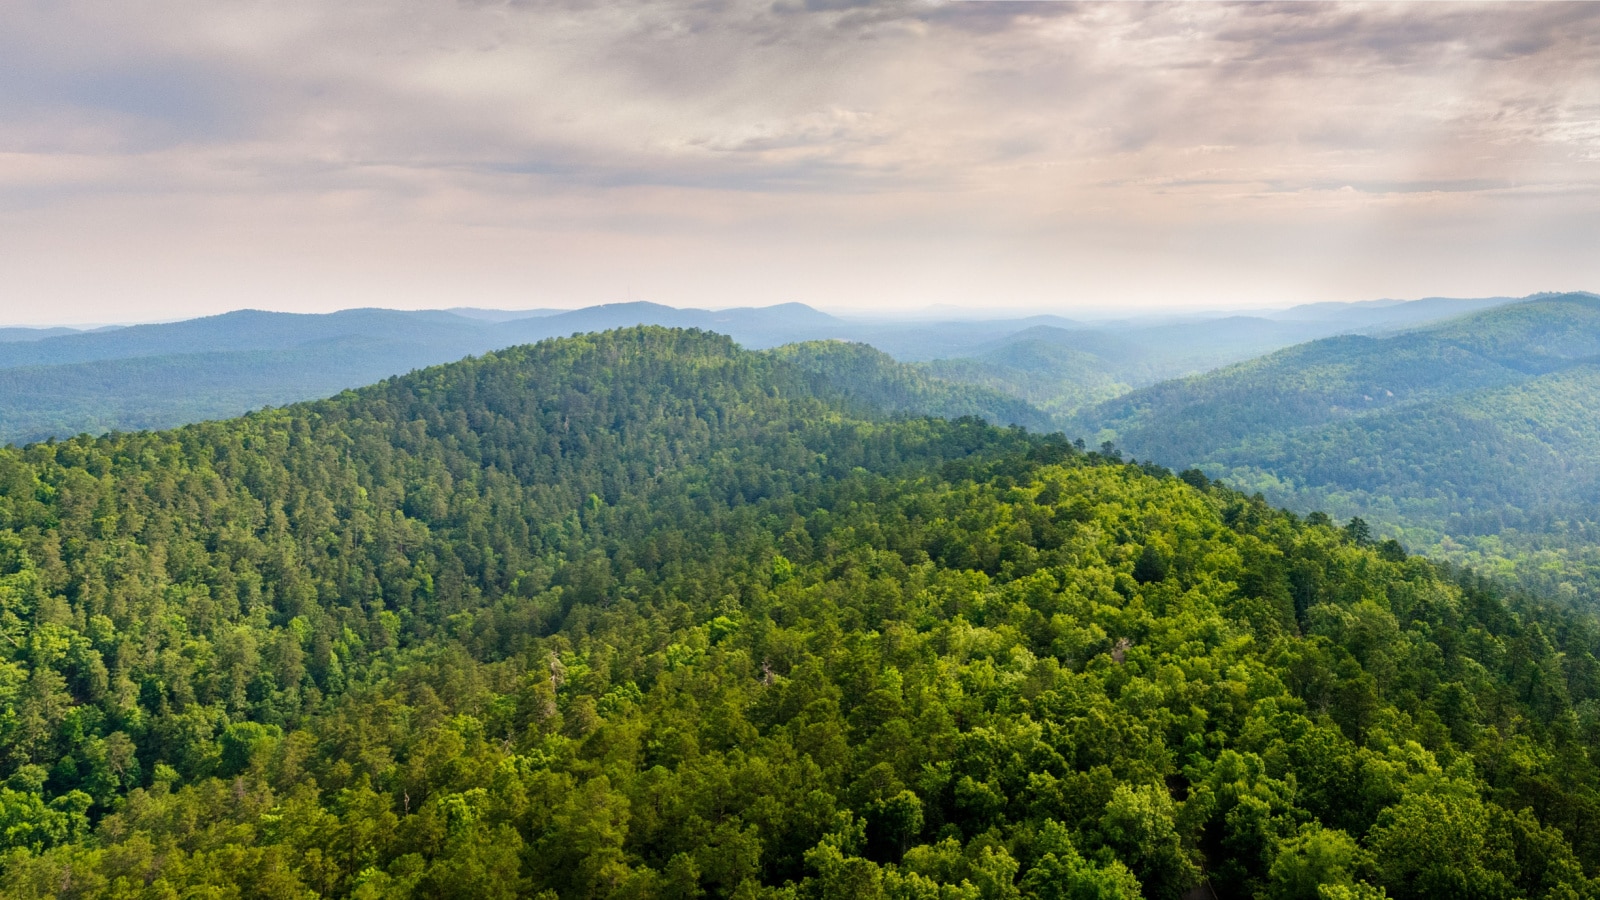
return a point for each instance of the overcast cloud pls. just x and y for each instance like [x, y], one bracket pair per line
[172, 157]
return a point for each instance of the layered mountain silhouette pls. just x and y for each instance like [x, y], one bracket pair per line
[55, 383]
[1483, 430]
[643, 614]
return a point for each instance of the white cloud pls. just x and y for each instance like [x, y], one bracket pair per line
[184, 156]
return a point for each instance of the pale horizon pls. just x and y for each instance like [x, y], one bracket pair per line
[933, 313]
[184, 159]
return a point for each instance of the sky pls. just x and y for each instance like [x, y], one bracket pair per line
[173, 158]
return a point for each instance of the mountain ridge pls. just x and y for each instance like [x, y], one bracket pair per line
[1471, 437]
[643, 614]
[196, 380]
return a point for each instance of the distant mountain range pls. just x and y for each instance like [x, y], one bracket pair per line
[156, 376]
[1478, 437]
[1391, 313]
[1064, 367]
[9, 335]
[1470, 428]
[60, 382]
[645, 615]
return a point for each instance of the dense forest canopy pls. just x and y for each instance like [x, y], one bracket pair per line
[1477, 439]
[641, 614]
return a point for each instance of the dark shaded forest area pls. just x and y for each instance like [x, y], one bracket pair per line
[641, 614]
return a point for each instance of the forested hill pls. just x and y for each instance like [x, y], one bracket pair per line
[60, 382]
[1479, 436]
[169, 374]
[869, 381]
[1345, 377]
[643, 615]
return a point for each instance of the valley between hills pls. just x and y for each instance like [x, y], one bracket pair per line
[644, 613]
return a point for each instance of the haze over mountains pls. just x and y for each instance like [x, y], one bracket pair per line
[35, 334]
[1469, 436]
[908, 591]
[152, 376]
[643, 615]
[1479, 436]
[534, 621]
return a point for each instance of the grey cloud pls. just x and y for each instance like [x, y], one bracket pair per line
[622, 82]
[149, 102]
[804, 117]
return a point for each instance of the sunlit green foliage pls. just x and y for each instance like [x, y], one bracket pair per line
[642, 615]
[1478, 439]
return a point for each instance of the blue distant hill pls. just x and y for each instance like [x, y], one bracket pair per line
[60, 382]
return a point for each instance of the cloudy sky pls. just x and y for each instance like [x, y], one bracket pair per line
[176, 157]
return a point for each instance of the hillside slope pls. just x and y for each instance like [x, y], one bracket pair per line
[1068, 367]
[644, 615]
[174, 373]
[1478, 435]
[870, 381]
[60, 382]
[153, 392]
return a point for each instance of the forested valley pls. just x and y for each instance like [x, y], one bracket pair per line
[1476, 439]
[642, 614]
